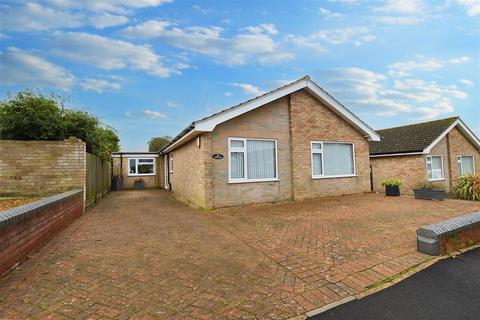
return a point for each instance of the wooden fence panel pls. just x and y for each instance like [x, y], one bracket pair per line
[98, 181]
[90, 195]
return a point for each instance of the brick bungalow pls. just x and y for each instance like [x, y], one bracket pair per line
[436, 151]
[292, 143]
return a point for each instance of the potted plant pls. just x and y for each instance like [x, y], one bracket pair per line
[138, 184]
[117, 179]
[430, 191]
[392, 186]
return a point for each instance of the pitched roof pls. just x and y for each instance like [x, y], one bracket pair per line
[411, 138]
[207, 124]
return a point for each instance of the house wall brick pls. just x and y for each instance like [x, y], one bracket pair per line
[410, 169]
[311, 120]
[149, 181]
[271, 121]
[459, 145]
[41, 167]
[188, 179]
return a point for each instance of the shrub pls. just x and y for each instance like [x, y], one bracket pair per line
[392, 182]
[427, 185]
[32, 116]
[468, 187]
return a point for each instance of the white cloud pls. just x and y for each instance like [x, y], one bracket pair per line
[472, 6]
[370, 92]
[227, 94]
[401, 6]
[249, 88]
[23, 68]
[113, 6]
[147, 114]
[172, 104]
[459, 60]
[200, 9]
[330, 14]
[105, 20]
[402, 20]
[421, 63]
[109, 54]
[99, 85]
[268, 28]
[466, 82]
[32, 16]
[255, 43]
[402, 12]
[402, 69]
[317, 41]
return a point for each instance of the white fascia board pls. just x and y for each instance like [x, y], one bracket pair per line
[469, 133]
[395, 154]
[191, 134]
[133, 155]
[209, 124]
[463, 127]
[440, 137]
[353, 119]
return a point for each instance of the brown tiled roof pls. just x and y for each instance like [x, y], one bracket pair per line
[411, 138]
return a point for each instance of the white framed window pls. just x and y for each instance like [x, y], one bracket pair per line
[252, 160]
[435, 168]
[332, 159]
[170, 157]
[465, 165]
[141, 166]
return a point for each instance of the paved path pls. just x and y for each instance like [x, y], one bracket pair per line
[142, 255]
[450, 289]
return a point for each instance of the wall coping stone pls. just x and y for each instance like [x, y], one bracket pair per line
[17, 214]
[451, 226]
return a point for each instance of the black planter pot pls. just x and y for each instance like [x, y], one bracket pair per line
[117, 184]
[428, 194]
[392, 191]
[137, 185]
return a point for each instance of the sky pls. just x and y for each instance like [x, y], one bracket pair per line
[150, 67]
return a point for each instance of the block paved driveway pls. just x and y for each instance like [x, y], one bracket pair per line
[143, 255]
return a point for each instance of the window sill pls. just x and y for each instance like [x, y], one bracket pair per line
[334, 177]
[442, 179]
[252, 181]
[141, 174]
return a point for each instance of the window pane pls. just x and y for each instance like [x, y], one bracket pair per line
[467, 165]
[338, 159]
[261, 159]
[316, 146]
[237, 165]
[145, 160]
[145, 168]
[236, 143]
[317, 164]
[436, 168]
[131, 164]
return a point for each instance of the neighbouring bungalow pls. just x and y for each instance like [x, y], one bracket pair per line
[436, 151]
[292, 143]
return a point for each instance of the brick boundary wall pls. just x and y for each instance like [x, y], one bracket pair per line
[41, 167]
[26, 228]
[463, 239]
